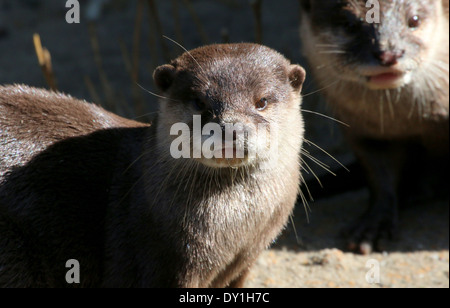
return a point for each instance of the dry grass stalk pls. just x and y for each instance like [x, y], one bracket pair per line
[257, 12]
[154, 16]
[92, 91]
[225, 36]
[126, 57]
[110, 96]
[136, 91]
[177, 22]
[198, 23]
[45, 61]
[152, 45]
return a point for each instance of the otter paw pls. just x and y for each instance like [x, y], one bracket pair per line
[370, 232]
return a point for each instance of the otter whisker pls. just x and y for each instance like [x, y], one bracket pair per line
[389, 100]
[441, 65]
[157, 95]
[192, 186]
[325, 116]
[188, 204]
[398, 96]
[329, 64]
[332, 52]
[317, 162]
[327, 45]
[304, 200]
[167, 178]
[325, 152]
[145, 115]
[311, 172]
[178, 179]
[320, 90]
[187, 51]
[157, 162]
[134, 162]
[382, 113]
[145, 173]
[297, 238]
[356, 6]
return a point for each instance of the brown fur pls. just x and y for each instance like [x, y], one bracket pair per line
[77, 182]
[386, 125]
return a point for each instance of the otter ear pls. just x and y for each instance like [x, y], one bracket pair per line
[164, 76]
[306, 5]
[297, 76]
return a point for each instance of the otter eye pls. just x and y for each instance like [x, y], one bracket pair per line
[199, 105]
[350, 22]
[262, 104]
[414, 22]
[352, 26]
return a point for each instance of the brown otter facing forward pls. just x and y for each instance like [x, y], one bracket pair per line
[77, 182]
[389, 81]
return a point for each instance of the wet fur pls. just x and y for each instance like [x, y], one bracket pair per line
[77, 182]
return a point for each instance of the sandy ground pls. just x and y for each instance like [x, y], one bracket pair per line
[418, 258]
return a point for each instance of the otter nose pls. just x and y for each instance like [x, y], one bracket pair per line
[389, 58]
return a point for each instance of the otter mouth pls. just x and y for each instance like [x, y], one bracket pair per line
[224, 162]
[227, 157]
[385, 78]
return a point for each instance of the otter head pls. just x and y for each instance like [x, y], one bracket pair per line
[378, 44]
[227, 105]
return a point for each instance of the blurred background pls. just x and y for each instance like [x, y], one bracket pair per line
[118, 44]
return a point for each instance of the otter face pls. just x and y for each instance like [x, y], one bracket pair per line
[231, 99]
[378, 44]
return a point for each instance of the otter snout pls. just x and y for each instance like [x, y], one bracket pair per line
[389, 57]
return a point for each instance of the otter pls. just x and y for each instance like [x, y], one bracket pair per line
[383, 67]
[80, 183]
